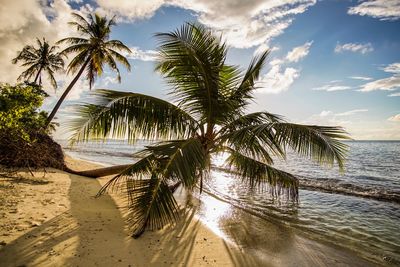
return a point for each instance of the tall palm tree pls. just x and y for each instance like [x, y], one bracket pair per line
[208, 119]
[38, 60]
[93, 50]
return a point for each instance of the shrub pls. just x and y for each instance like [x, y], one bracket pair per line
[24, 141]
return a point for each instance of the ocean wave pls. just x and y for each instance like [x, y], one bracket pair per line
[337, 186]
[346, 188]
[90, 151]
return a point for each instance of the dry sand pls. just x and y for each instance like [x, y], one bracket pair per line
[53, 219]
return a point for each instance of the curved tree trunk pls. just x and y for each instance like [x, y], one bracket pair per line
[101, 172]
[64, 95]
[96, 173]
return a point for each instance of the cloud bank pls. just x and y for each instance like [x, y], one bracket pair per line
[381, 9]
[245, 24]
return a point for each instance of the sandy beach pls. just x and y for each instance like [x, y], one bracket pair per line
[53, 219]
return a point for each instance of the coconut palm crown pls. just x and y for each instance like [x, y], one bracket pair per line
[39, 60]
[93, 51]
[208, 119]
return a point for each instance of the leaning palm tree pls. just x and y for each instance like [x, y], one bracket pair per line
[39, 60]
[208, 120]
[93, 51]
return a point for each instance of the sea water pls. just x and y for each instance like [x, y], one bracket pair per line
[358, 209]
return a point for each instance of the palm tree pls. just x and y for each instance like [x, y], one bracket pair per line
[208, 120]
[38, 60]
[93, 51]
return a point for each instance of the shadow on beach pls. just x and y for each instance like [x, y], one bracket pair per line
[93, 233]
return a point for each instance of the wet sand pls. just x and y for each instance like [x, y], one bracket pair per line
[53, 219]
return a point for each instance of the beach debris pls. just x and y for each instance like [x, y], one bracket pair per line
[35, 224]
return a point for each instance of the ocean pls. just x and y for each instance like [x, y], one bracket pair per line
[358, 210]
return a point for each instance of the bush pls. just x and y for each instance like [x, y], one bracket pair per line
[24, 141]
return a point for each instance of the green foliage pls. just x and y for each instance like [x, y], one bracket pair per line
[93, 48]
[38, 60]
[19, 104]
[209, 118]
[93, 51]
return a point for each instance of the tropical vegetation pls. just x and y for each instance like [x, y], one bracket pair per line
[38, 60]
[24, 142]
[206, 118]
[93, 51]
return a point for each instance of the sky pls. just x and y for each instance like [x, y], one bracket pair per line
[331, 62]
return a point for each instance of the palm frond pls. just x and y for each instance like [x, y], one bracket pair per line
[131, 115]
[73, 40]
[142, 169]
[243, 93]
[38, 60]
[121, 59]
[50, 75]
[190, 59]
[320, 143]
[181, 160]
[28, 73]
[252, 135]
[151, 205]
[117, 44]
[259, 174]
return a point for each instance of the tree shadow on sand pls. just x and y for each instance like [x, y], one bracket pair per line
[93, 233]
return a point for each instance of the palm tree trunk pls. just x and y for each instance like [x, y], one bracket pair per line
[101, 172]
[96, 173]
[64, 95]
[37, 75]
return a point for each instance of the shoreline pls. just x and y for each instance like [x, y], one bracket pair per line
[56, 221]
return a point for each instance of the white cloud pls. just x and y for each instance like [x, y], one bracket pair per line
[363, 78]
[386, 84]
[109, 80]
[382, 9]
[354, 47]
[244, 23]
[351, 112]
[332, 88]
[21, 22]
[277, 81]
[279, 78]
[394, 94]
[132, 9]
[392, 68]
[395, 118]
[144, 55]
[299, 52]
[263, 47]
